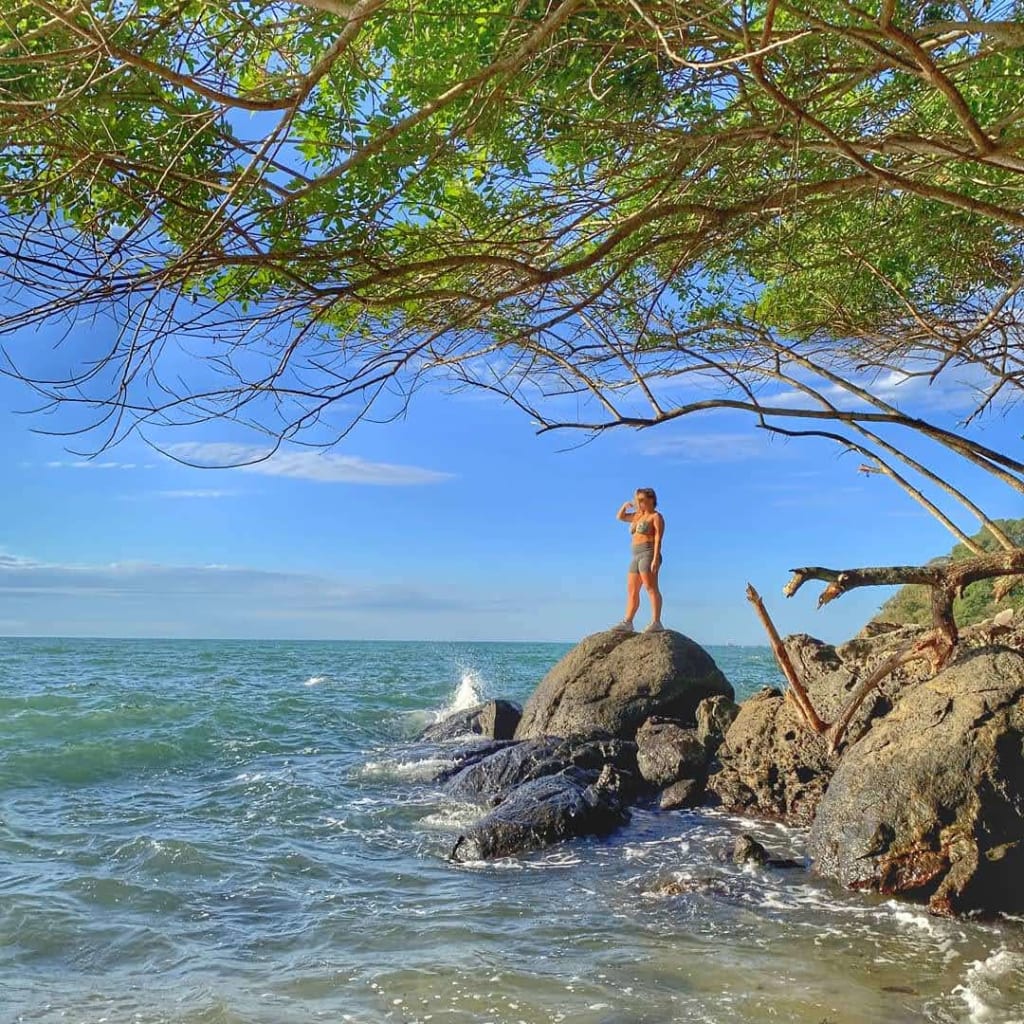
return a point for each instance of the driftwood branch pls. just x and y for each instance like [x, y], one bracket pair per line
[800, 695]
[946, 581]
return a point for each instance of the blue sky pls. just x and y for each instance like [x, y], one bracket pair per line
[457, 522]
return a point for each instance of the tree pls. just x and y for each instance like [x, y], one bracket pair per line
[657, 207]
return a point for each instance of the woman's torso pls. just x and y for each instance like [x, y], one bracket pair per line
[641, 528]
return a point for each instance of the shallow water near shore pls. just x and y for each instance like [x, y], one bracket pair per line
[230, 832]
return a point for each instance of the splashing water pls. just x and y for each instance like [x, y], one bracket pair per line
[470, 692]
[981, 991]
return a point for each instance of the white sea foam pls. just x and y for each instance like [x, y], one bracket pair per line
[917, 920]
[456, 816]
[991, 989]
[499, 864]
[425, 769]
[559, 859]
[315, 680]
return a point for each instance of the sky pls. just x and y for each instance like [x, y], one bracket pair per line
[457, 522]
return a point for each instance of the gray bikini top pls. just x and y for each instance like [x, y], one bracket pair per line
[645, 527]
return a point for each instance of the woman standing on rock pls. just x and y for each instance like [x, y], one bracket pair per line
[647, 527]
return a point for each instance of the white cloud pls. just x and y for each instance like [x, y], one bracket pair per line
[956, 391]
[319, 466]
[92, 464]
[725, 447]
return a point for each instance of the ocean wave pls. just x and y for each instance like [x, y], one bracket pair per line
[993, 988]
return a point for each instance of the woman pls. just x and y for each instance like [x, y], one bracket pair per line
[647, 527]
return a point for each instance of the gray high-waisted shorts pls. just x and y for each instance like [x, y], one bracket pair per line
[643, 555]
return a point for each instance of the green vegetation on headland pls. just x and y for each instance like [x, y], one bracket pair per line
[912, 603]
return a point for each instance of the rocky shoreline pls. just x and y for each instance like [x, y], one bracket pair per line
[923, 799]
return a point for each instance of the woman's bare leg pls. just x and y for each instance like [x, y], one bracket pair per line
[650, 582]
[632, 595]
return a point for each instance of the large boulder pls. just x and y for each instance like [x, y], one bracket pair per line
[612, 682]
[931, 801]
[770, 764]
[576, 802]
[495, 719]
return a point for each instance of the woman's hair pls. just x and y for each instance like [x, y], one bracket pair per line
[648, 492]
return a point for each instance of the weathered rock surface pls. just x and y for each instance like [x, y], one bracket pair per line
[714, 717]
[612, 682]
[496, 719]
[573, 803]
[492, 778]
[770, 764]
[931, 801]
[667, 751]
[682, 794]
[462, 756]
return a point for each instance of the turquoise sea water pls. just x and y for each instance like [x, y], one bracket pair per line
[239, 832]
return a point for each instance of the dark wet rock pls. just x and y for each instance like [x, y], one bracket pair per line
[612, 682]
[575, 802]
[682, 794]
[496, 719]
[667, 751]
[714, 716]
[930, 802]
[462, 757]
[490, 779]
[747, 850]
[770, 764]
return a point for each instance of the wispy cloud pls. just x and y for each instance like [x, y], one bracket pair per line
[247, 591]
[94, 464]
[319, 466]
[724, 447]
[954, 392]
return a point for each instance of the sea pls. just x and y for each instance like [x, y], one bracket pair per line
[240, 832]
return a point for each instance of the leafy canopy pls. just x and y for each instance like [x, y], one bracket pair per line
[285, 205]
